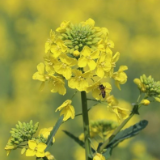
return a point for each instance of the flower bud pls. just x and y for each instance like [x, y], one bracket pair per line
[76, 53]
[145, 102]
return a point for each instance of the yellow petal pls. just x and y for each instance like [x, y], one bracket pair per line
[90, 22]
[40, 68]
[32, 144]
[37, 76]
[41, 147]
[92, 64]
[116, 57]
[122, 68]
[82, 62]
[64, 104]
[40, 154]
[30, 152]
[100, 72]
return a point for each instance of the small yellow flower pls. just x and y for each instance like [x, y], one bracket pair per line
[64, 66]
[79, 81]
[63, 26]
[115, 58]
[121, 112]
[50, 41]
[97, 93]
[40, 75]
[57, 84]
[58, 48]
[45, 132]
[88, 58]
[67, 110]
[103, 65]
[112, 101]
[105, 45]
[145, 102]
[120, 77]
[36, 149]
[89, 22]
[98, 156]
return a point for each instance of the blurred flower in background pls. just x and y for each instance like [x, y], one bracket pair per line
[134, 27]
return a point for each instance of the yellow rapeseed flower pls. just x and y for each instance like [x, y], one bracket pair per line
[58, 48]
[36, 149]
[57, 84]
[112, 101]
[40, 75]
[64, 66]
[63, 26]
[45, 132]
[121, 112]
[103, 65]
[79, 81]
[88, 58]
[97, 92]
[67, 110]
[89, 22]
[120, 76]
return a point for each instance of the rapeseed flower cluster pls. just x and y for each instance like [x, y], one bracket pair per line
[81, 55]
[22, 136]
[149, 86]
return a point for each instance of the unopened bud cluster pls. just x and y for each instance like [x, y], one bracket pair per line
[76, 36]
[23, 132]
[149, 86]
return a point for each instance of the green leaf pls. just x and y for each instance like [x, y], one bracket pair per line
[127, 133]
[53, 132]
[122, 135]
[76, 139]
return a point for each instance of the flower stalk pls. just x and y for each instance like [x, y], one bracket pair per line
[115, 133]
[117, 130]
[86, 125]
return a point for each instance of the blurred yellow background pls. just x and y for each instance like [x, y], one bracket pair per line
[134, 27]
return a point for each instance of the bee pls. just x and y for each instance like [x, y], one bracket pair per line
[102, 89]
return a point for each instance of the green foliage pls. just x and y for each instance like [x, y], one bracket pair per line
[53, 132]
[122, 135]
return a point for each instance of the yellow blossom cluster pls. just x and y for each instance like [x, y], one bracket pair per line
[81, 54]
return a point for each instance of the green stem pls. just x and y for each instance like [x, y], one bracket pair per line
[134, 111]
[115, 133]
[86, 125]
